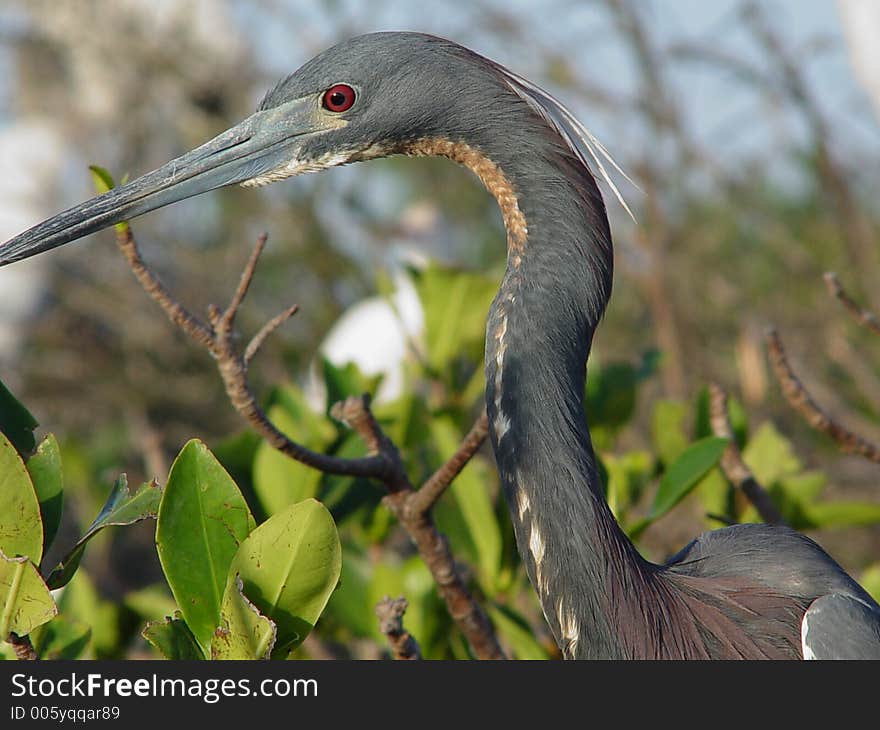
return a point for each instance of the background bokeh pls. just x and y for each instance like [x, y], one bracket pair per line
[750, 128]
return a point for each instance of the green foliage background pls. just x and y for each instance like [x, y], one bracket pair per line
[720, 252]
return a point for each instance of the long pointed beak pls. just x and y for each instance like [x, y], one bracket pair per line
[262, 144]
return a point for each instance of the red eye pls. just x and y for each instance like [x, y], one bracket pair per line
[338, 98]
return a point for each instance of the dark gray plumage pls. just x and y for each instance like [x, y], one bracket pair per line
[840, 626]
[738, 592]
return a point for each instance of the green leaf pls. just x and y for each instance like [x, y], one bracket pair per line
[80, 600]
[469, 490]
[515, 632]
[172, 638]
[805, 486]
[455, 305]
[152, 602]
[289, 566]
[202, 521]
[345, 380]
[870, 580]
[685, 472]
[667, 429]
[312, 425]
[280, 481]
[16, 422]
[770, 455]
[61, 638]
[102, 181]
[610, 394]
[21, 530]
[628, 475]
[835, 514]
[25, 601]
[349, 604]
[714, 492]
[44, 468]
[122, 507]
[243, 633]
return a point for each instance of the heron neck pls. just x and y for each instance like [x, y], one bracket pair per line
[538, 338]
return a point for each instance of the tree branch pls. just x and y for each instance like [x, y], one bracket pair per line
[382, 462]
[390, 612]
[437, 483]
[862, 316]
[732, 464]
[22, 646]
[802, 402]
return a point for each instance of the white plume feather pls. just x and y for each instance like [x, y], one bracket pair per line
[576, 135]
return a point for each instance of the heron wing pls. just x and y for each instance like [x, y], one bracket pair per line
[838, 626]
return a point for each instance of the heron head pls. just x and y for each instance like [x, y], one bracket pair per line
[357, 100]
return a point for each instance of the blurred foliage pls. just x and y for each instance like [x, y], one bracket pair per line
[235, 593]
[241, 591]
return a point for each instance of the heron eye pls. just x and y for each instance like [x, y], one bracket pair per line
[338, 98]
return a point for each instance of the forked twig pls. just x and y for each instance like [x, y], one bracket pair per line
[411, 507]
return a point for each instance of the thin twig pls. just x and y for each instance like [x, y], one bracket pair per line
[267, 329]
[390, 612]
[23, 648]
[437, 483]
[732, 463]
[382, 462]
[862, 316]
[197, 330]
[802, 402]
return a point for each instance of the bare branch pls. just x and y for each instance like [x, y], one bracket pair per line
[801, 401]
[860, 315]
[732, 464]
[390, 612]
[437, 483]
[244, 282]
[198, 331]
[382, 462]
[267, 329]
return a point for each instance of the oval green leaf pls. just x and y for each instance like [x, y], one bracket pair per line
[202, 520]
[123, 507]
[243, 633]
[515, 632]
[172, 638]
[25, 601]
[289, 566]
[685, 472]
[21, 530]
[16, 422]
[44, 468]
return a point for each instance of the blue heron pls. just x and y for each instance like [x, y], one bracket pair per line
[745, 591]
